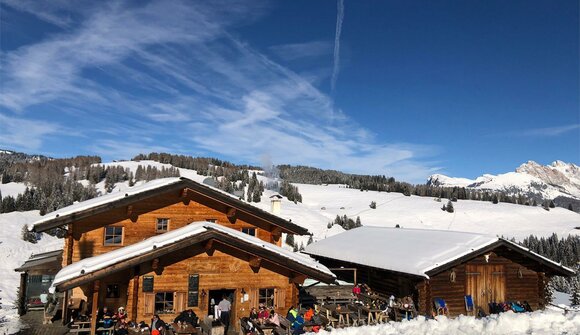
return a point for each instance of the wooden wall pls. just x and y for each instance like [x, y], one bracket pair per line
[222, 270]
[140, 220]
[527, 288]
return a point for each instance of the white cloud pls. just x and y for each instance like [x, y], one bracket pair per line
[25, 134]
[541, 132]
[167, 76]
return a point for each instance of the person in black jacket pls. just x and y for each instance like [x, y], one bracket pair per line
[187, 316]
[157, 323]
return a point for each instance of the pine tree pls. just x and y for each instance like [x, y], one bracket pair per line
[450, 208]
[373, 205]
[552, 205]
[549, 291]
[295, 248]
[290, 239]
[575, 294]
[494, 199]
[358, 223]
[27, 235]
[569, 206]
[310, 240]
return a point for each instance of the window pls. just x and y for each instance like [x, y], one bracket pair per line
[113, 291]
[211, 220]
[266, 297]
[249, 231]
[113, 235]
[164, 302]
[162, 225]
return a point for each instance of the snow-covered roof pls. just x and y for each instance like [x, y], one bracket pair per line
[92, 264]
[102, 202]
[107, 198]
[411, 251]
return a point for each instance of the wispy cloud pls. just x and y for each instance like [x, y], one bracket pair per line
[306, 50]
[336, 58]
[543, 132]
[24, 133]
[168, 76]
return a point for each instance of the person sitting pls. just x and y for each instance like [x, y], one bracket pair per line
[273, 319]
[157, 324]
[187, 317]
[308, 315]
[253, 314]
[298, 325]
[120, 316]
[292, 314]
[105, 316]
[263, 314]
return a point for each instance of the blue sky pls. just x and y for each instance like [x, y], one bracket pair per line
[402, 88]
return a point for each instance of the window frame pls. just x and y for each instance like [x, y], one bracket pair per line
[212, 220]
[167, 222]
[109, 244]
[115, 290]
[164, 302]
[248, 229]
[264, 299]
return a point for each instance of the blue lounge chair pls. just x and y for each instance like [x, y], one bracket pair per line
[440, 306]
[469, 306]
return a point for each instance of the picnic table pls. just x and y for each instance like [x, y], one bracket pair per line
[343, 313]
[184, 328]
[373, 314]
[265, 328]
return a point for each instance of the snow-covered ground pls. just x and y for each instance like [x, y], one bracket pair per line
[537, 323]
[12, 189]
[13, 252]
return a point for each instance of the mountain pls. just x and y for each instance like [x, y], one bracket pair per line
[558, 181]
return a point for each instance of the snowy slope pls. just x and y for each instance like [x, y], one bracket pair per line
[12, 189]
[13, 252]
[547, 182]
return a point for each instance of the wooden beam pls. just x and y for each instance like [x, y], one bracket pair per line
[276, 233]
[134, 302]
[255, 263]
[129, 210]
[155, 264]
[209, 247]
[231, 213]
[297, 279]
[95, 304]
[69, 244]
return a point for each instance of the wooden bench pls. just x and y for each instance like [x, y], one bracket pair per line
[285, 327]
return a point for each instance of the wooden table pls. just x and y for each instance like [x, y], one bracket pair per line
[266, 328]
[342, 312]
[373, 314]
[183, 329]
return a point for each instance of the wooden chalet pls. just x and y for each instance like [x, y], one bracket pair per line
[429, 264]
[194, 243]
[36, 276]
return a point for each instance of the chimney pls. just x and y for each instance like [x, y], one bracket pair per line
[276, 204]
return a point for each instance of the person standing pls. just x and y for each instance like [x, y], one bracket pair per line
[224, 307]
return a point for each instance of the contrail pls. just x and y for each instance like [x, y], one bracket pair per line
[336, 58]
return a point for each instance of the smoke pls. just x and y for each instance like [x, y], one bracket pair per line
[336, 56]
[270, 170]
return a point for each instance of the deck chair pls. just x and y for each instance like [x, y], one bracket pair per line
[469, 307]
[440, 306]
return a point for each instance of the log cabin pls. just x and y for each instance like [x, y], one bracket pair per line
[195, 243]
[429, 264]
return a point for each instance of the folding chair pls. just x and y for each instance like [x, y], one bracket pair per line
[440, 306]
[469, 307]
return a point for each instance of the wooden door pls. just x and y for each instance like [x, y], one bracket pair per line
[485, 283]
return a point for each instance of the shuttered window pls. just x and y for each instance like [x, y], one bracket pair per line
[266, 297]
[280, 298]
[149, 303]
[180, 301]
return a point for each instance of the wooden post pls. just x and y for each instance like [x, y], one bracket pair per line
[65, 307]
[135, 293]
[22, 293]
[69, 245]
[95, 308]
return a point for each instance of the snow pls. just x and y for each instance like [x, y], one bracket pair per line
[12, 189]
[412, 251]
[14, 252]
[537, 323]
[503, 219]
[95, 263]
[107, 198]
